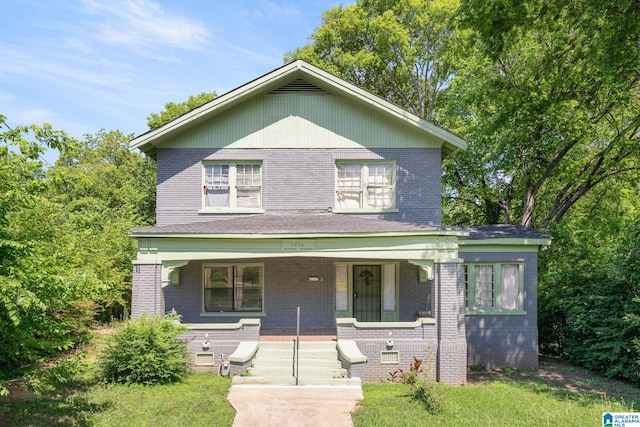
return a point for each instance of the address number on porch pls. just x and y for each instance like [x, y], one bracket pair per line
[298, 245]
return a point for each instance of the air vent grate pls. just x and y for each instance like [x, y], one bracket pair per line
[389, 357]
[298, 85]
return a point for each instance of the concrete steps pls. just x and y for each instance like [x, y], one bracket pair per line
[318, 365]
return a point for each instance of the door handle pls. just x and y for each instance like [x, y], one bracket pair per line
[355, 295]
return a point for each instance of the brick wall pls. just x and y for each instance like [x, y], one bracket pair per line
[506, 340]
[297, 180]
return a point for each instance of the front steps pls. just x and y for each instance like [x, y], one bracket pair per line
[318, 365]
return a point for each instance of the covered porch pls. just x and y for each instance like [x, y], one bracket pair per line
[394, 289]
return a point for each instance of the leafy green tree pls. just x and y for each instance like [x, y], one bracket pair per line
[45, 300]
[549, 102]
[398, 49]
[106, 190]
[173, 110]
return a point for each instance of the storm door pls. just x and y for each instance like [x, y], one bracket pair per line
[367, 291]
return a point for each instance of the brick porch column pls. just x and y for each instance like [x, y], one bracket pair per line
[451, 357]
[146, 293]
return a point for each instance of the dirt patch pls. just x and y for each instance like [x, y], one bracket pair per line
[555, 373]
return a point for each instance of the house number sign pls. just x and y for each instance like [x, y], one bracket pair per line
[298, 245]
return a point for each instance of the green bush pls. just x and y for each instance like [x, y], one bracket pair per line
[146, 351]
[429, 394]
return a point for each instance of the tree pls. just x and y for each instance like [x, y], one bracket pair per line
[549, 102]
[398, 49]
[106, 189]
[173, 110]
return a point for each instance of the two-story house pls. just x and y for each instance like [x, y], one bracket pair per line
[299, 189]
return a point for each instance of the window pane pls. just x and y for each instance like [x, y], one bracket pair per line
[216, 181]
[389, 287]
[380, 174]
[248, 176]
[248, 288]
[348, 199]
[248, 198]
[342, 295]
[381, 198]
[349, 176]
[484, 286]
[218, 292]
[216, 198]
[510, 286]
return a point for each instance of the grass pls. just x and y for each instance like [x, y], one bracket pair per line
[498, 403]
[66, 393]
[198, 401]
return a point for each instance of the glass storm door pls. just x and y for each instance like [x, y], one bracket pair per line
[367, 288]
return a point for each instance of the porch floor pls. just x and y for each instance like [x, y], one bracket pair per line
[306, 334]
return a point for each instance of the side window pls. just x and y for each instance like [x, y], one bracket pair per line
[493, 288]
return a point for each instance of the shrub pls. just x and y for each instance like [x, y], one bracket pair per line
[429, 394]
[146, 351]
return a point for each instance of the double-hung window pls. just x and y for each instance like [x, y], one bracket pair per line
[232, 288]
[232, 185]
[365, 186]
[494, 288]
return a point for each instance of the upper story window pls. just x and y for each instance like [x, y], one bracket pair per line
[229, 186]
[493, 288]
[365, 186]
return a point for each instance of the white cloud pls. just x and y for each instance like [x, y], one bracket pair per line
[143, 26]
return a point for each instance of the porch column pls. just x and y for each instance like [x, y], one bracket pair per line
[451, 359]
[146, 294]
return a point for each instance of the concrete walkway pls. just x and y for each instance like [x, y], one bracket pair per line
[299, 406]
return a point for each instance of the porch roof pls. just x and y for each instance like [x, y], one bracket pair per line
[298, 224]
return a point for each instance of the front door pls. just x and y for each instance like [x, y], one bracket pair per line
[367, 290]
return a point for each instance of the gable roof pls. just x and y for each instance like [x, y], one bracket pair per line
[291, 77]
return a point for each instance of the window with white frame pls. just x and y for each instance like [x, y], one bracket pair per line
[365, 185]
[232, 185]
[232, 288]
[493, 287]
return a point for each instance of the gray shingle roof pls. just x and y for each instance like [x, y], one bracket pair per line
[504, 231]
[328, 223]
[292, 223]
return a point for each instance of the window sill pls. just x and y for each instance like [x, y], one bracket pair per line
[230, 210]
[495, 312]
[234, 314]
[365, 210]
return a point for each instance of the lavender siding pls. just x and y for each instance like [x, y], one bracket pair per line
[496, 341]
[297, 179]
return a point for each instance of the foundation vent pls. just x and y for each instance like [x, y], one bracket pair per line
[389, 357]
[204, 359]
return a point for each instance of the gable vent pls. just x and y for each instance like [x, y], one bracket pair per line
[298, 85]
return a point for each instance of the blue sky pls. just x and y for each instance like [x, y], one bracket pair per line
[86, 65]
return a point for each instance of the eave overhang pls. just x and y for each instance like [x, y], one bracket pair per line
[148, 141]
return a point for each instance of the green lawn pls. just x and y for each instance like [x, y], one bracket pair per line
[499, 403]
[201, 400]
[68, 394]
